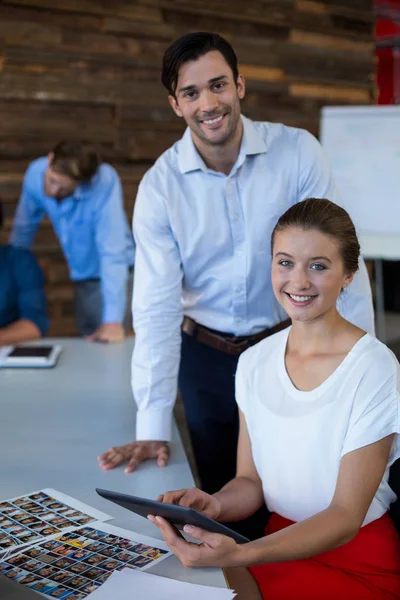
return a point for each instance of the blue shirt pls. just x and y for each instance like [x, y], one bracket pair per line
[91, 226]
[203, 250]
[21, 288]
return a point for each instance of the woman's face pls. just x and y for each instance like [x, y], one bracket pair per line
[307, 273]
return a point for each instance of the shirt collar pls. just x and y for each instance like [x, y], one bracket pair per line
[83, 188]
[253, 142]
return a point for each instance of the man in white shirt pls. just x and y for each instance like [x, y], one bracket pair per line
[202, 224]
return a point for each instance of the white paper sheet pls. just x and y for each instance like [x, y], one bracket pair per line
[131, 585]
[42, 514]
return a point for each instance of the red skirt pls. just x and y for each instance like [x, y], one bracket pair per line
[366, 568]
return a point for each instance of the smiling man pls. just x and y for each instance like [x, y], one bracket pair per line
[202, 224]
[83, 199]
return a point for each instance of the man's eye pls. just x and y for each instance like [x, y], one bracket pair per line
[190, 95]
[318, 267]
[218, 86]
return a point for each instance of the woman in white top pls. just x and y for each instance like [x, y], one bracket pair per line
[319, 425]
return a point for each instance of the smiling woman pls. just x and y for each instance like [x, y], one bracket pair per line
[319, 428]
[315, 256]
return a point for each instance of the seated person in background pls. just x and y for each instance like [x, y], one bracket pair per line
[319, 425]
[83, 200]
[22, 299]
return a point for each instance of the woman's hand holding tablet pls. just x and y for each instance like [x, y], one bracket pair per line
[194, 498]
[215, 549]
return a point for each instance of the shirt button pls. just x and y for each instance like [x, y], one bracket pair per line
[235, 216]
[238, 319]
[239, 252]
[239, 289]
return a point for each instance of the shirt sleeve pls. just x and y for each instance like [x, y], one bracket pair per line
[244, 376]
[315, 175]
[111, 240]
[316, 181]
[28, 215]
[375, 412]
[157, 315]
[30, 289]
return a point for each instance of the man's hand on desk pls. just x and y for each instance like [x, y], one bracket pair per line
[108, 332]
[134, 453]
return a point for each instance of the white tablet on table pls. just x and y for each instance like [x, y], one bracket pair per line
[29, 357]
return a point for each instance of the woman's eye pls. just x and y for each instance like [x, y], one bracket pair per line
[285, 263]
[318, 267]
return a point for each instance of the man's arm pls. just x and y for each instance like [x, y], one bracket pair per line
[315, 180]
[157, 317]
[111, 241]
[22, 330]
[28, 215]
[31, 300]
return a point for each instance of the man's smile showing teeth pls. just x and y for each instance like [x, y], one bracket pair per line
[212, 121]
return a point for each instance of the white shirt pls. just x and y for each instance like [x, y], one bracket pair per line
[203, 250]
[298, 438]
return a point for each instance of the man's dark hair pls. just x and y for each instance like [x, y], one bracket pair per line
[191, 47]
[77, 160]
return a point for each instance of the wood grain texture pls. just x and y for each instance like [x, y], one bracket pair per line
[90, 69]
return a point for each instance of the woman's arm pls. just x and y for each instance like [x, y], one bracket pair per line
[360, 474]
[359, 477]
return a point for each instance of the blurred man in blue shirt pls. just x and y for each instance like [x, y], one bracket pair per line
[83, 200]
[22, 299]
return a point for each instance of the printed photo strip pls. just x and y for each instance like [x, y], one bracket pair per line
[36, 516]
[76, 563]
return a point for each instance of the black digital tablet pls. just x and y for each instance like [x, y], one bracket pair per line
[176, 515]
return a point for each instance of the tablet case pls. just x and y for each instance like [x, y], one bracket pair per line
[175, 514]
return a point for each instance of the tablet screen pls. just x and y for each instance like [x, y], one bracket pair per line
[31, 352]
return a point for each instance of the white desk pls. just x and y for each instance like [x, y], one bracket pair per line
[55, 422]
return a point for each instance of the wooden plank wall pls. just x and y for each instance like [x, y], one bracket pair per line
[90, 69]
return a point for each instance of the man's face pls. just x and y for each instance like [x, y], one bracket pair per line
[58, 186]
[208, 99]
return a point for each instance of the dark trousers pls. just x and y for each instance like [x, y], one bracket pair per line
[207, 387]
[89, 305]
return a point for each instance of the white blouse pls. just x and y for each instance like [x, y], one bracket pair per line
[298, 438]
